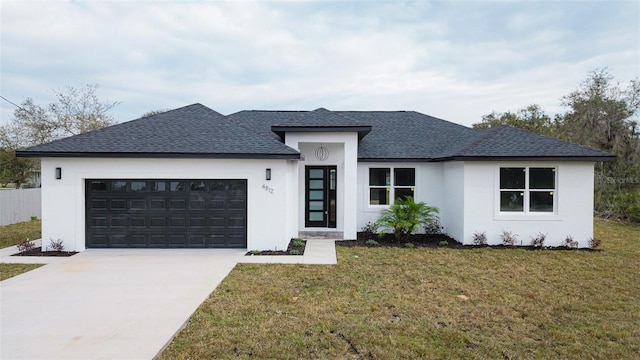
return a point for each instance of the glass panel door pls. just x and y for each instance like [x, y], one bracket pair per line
[320, 196]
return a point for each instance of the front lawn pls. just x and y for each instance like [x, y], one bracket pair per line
[388, 303]
[11, 270]
[14, 233]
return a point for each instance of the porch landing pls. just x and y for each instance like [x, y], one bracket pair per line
[321, 235]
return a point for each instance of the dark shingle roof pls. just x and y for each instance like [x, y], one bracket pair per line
[190, 131]
[197, 131]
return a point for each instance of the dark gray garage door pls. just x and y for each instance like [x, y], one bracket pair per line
[166, 213]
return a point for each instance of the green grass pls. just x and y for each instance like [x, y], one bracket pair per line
[388, 303]
[11, 270]
[12, 234]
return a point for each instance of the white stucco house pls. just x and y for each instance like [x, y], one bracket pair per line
[192, 177]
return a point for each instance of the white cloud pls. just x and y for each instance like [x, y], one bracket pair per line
[456, 60]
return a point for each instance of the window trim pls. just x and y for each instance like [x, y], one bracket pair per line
[526, 214]
[391, 189]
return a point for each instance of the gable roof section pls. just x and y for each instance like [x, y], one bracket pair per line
[192, 131]
[319, 120]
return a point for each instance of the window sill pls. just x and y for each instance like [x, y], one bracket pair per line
[505, 216]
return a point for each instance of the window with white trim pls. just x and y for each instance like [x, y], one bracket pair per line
[527, 189]
[383, 187]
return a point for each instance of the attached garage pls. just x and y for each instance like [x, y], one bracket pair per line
[166, 213]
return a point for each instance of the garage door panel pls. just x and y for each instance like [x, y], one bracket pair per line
[165, 213]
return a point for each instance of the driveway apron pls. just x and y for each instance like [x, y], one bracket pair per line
[107, 304]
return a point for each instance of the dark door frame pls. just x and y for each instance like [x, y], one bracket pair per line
[329, 198]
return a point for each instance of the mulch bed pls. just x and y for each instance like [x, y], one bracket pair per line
[38, 252]
[290, 247]
[437, 241]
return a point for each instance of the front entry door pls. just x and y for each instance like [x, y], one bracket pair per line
[320, 199]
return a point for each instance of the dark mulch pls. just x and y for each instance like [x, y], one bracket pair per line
[418, 240]
[290, 248]
[38, 252]
[436, 240]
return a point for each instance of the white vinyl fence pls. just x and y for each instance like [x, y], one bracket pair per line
[19, 205]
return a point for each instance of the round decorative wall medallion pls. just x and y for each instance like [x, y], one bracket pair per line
[322, 153]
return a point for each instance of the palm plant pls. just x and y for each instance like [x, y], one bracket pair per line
[406, 216]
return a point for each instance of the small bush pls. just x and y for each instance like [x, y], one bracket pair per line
[56, 245]
[508, 238]
[255, 252]
[538, 240]
[434, 227]
[34, 218]
[298, 242]
[569, 243]
[444, 243]
[409, 245]
[372, 242]
[480, 238]
[294, 252]
[405, 217]
[25, 245]
[370, 231]
[595, 243]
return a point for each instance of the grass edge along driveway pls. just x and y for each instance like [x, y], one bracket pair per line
[385, 303]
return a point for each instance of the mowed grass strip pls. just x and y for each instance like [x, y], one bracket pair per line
[10, 270]
[14, 233]
[391, 303]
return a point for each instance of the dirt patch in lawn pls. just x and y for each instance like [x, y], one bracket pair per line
[295, 247]
[38, 252]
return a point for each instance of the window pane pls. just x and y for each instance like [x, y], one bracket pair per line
[378, 196]
[316, 205]
[542, 178]
[379, 177]
[402, 193]
[316, 184]
[512, 178]
[138, 185]
[541, 201]
[511, 201]
[316, 216]
[316, 173]
[119, 186]
[316, 195]
[177, 186]
[197, 186]
[98, 186]
[405, 177]
[156, 186]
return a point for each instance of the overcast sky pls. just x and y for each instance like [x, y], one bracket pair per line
[454, 60]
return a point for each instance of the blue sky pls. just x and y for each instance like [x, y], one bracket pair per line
[455, 60]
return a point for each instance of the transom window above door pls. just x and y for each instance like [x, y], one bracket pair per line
[383, 187]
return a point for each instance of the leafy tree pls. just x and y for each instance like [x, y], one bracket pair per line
[531, 118]
[75, 111]
[13, 169]
[406, 216]
[154, 112]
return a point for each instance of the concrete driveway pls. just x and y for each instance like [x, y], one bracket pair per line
[108, 304]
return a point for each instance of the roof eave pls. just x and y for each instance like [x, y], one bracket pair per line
[361, 130]
[155, 155]
[531, 158]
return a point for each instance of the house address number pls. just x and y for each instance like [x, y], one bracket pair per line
[267, 188]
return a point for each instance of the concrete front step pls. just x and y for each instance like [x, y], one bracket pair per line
[321, 235]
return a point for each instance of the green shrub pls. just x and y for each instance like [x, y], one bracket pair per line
[372, 242]
[406, 216]
[444, 243]
[294, 252]
[298, 242]
[409, 245]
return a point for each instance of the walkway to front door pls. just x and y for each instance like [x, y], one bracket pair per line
[320, 196]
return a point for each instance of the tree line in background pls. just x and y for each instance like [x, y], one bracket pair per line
[75, 111]
[602, 114]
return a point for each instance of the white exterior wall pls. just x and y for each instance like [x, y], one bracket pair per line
[343, 153]
[467, 194]
[428, 189]
[574, 198]
[269, 214]
[453, 202]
